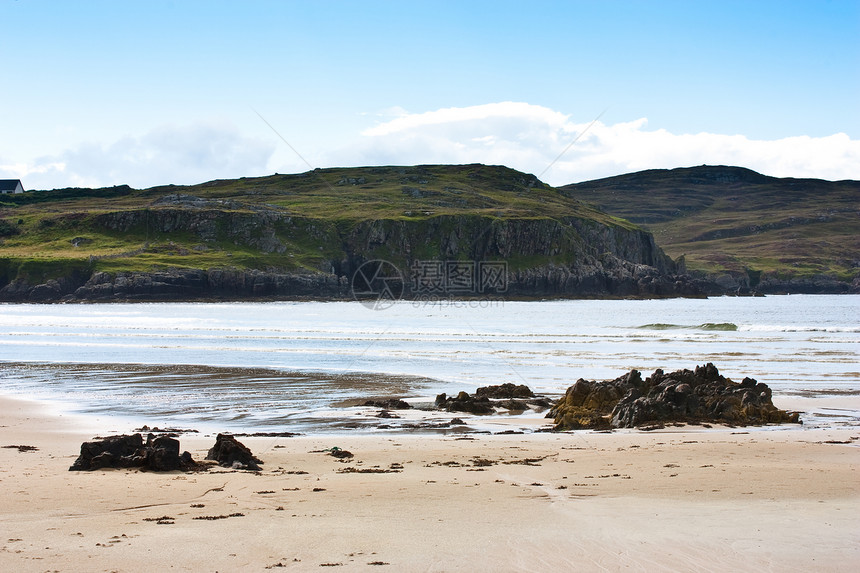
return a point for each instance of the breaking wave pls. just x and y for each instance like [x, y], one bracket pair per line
[722, 326]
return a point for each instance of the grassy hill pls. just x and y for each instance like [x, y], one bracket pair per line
[307, 233]
[321, 221]
[730, 219]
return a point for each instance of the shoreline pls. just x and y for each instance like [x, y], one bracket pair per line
[848, 290]
[818, 411]
[661, 500]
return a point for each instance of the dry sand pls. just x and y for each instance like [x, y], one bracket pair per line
[689, 499]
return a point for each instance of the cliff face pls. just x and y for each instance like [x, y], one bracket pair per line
[483, 238]
[288, 242]
[541, 257]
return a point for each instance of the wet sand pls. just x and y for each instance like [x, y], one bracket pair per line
[679, 499]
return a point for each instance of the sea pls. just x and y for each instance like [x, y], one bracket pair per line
[306, 366]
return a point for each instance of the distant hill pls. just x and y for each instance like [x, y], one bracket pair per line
[305, 235]
[765, 232]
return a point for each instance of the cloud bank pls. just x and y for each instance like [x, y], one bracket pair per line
[520, 135]
[168, 154]
[530, 138]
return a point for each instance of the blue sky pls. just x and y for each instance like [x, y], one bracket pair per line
[156, 92]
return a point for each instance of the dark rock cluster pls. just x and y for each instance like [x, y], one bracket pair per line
[231, 453]
[463, 402]
[505, 391]
[160, 454]
[486, 400]
[389, 404]
[699, 396]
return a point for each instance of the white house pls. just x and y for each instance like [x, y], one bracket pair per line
[11, 186]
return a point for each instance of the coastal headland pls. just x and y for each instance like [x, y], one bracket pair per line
[456, 231]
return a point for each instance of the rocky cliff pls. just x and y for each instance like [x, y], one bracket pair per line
[288, 237]
[541, 258]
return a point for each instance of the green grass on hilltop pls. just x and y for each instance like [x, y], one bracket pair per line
[42, 233]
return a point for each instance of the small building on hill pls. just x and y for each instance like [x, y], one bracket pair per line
[11, 186]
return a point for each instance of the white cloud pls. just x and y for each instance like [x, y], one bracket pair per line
[168, 154]
[530, 137]
[22, 170]
[491, 113]
[394, 111]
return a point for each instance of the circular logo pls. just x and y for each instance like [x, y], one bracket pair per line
[377, 284]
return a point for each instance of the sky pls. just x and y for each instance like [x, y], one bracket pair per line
[153, 92]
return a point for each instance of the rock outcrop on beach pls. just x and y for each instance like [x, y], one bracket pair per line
[389, 404]
[699, 396]
[489, 399]
[506, 391]
[158, 453]
[463, 402]
[231, 453]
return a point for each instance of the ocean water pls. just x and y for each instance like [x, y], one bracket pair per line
[289, 365]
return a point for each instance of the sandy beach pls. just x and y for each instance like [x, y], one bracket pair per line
[691, 499]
